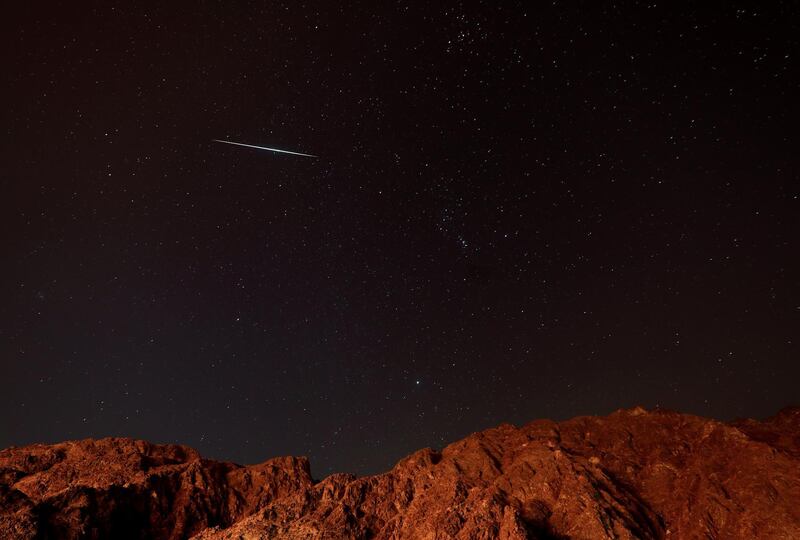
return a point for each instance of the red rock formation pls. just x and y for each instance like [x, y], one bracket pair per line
[633, 474]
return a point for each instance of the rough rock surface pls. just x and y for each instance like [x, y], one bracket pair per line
[633, 474]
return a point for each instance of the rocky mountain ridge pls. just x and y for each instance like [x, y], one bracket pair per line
[632, 474]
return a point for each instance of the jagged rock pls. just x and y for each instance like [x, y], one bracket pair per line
[632, 474]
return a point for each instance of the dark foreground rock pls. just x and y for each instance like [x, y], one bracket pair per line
[633, 474]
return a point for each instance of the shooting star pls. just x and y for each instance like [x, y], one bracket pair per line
[265, 148]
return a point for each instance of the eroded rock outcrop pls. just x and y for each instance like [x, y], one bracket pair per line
[632, 474]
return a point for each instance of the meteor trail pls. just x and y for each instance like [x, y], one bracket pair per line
[265, 148]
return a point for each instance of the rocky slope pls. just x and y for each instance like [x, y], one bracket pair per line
[633, 474]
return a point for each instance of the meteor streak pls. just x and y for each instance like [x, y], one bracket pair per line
[265, 148]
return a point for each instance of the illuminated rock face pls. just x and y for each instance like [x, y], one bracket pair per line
[633, 474]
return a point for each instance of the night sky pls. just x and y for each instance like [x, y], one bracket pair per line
[519, 210]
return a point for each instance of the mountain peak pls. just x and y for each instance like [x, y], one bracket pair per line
[632, 474]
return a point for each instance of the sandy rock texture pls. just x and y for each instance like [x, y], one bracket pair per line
[632, 474]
